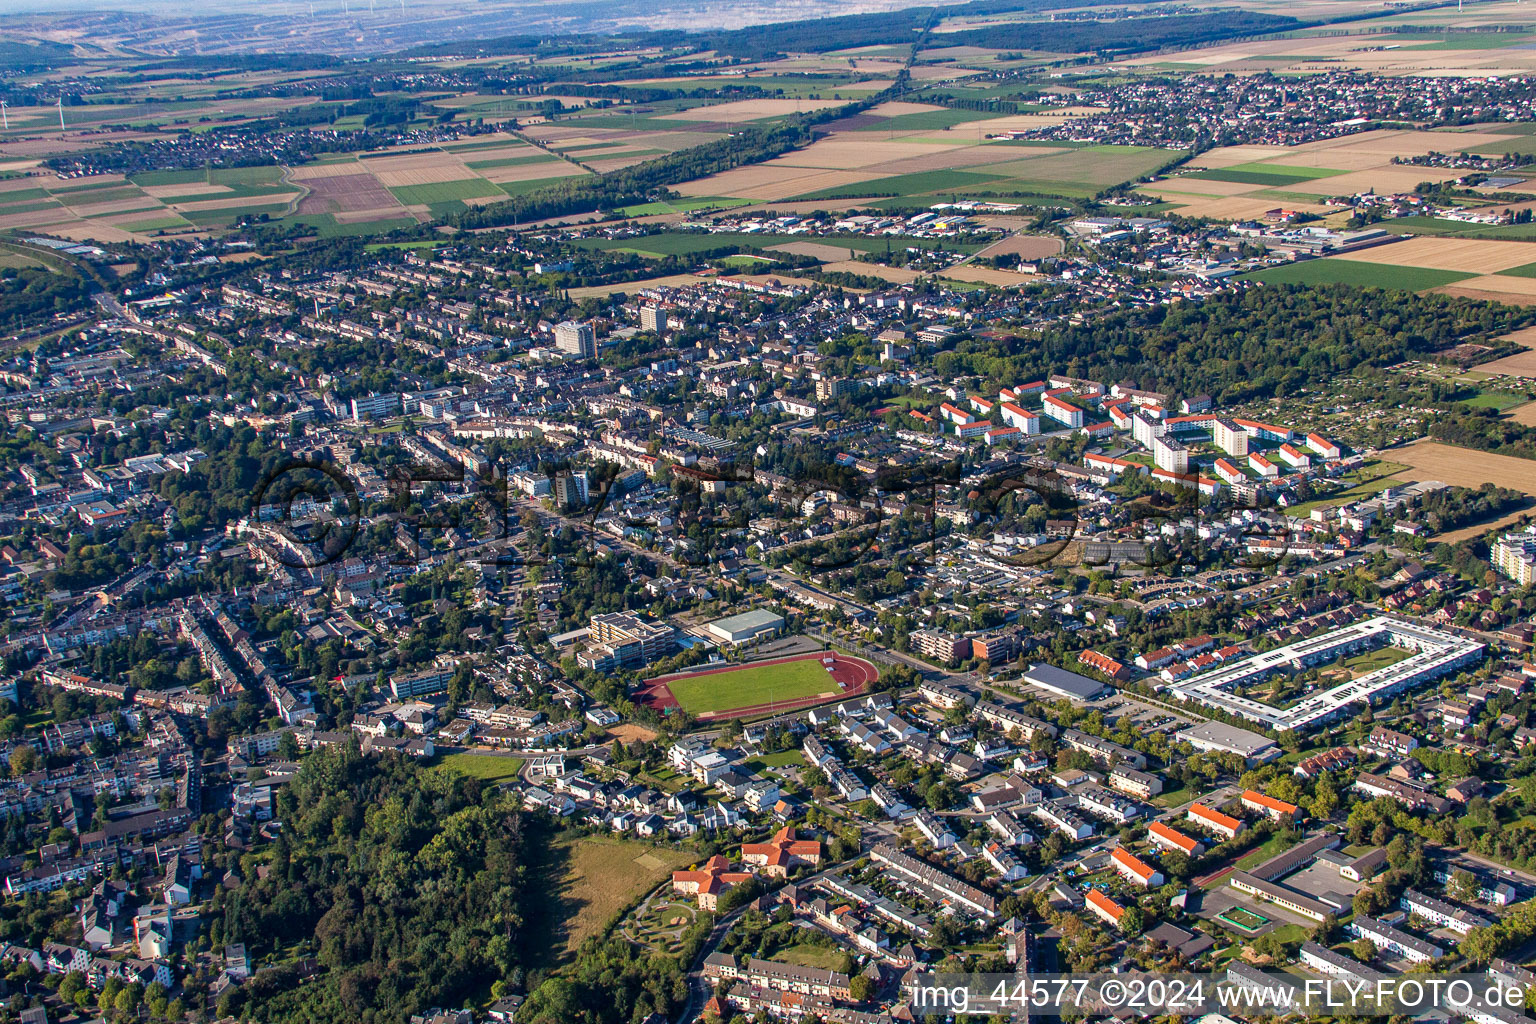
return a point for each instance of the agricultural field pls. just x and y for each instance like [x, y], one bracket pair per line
[1335, 270]
[1460, 255]
[1248, 181]
[927, 153]
[1423, 52]
[1461, 467]
[343, 194]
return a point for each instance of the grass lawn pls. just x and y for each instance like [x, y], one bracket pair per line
[748, 262]
[486, 767]
[1174, 797]
[376, 246]
[806, 955]
[779, 760]
[19, 261]
[325, 225]
[1496, 400]
[1437, 226]
[1271, 847]
[750, 686]
[682, 243]
[602, 876]
[1361, 275]
[1290, 933]
[1371, 661]
[1355, 493]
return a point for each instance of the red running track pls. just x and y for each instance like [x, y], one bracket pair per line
[852, 675]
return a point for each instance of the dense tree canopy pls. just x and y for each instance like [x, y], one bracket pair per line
[408, 886]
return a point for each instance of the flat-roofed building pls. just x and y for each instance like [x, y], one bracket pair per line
[1221, 738]
[1433, 653]
[747, 626]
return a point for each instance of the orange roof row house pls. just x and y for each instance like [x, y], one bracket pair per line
[1256, 801]
[1173, 839]
[1209, 817]
[1106, 908]
[1135, 869]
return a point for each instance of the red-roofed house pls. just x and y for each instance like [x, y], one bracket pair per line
[1172, 839]
[779, 855]
[1062, 412]
[1262, 466]
[1003, 435]
[1134, 869]
[955, 414]
[1294, 456]
[1266, 431]
[1223, 825]
[1022, 418]
[1277, 809]
[708, 881]
[1111, 465]
[1106, 908]
[1324, 447]
[1104, 663]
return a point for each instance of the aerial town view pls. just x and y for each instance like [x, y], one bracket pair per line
[542, 512]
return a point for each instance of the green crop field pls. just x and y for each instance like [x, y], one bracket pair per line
[244, 175]
[1088, 166]
[168, 177]
[750, 686]
[445, 191]
[1474, 41]
[920, 183]
[1361, 275]
[105, 195]
[154, 224]
[930, 119]
[683, 206]
[511, 161]
[1263, 174]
